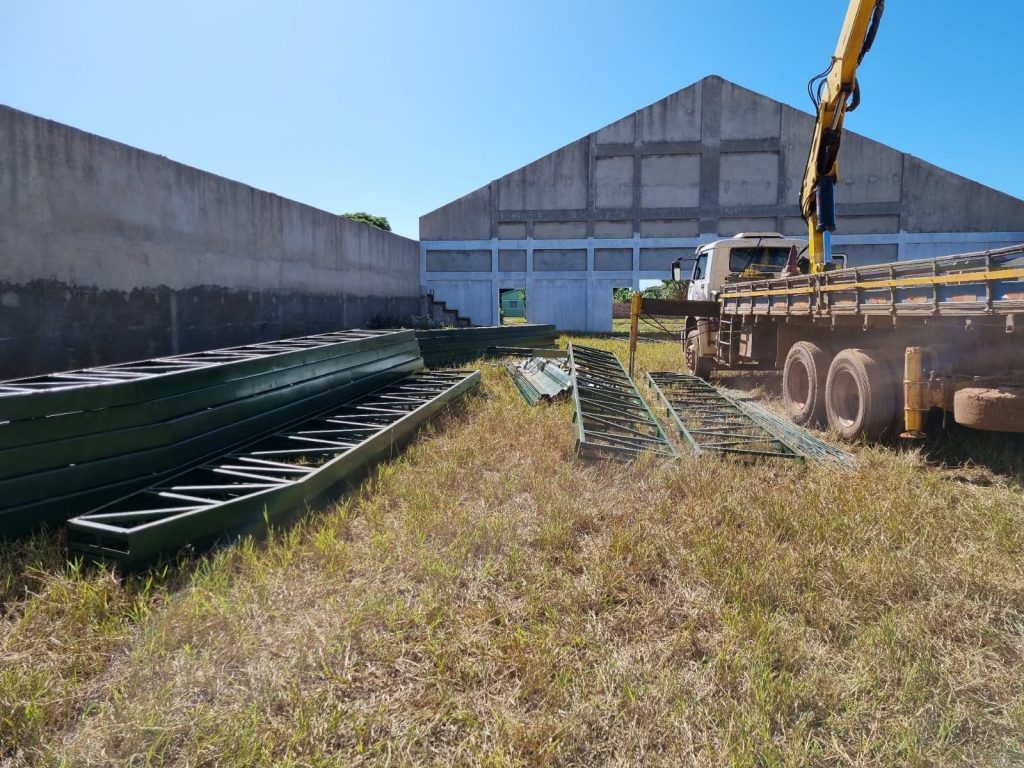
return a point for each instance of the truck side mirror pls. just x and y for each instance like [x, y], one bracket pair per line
[677, 272]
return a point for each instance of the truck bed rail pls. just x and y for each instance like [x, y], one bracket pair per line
[971, 284]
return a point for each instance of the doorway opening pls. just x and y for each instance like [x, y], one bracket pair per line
[512, 305]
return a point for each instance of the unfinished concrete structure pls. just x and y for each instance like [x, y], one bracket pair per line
[109, 253]
[714, 159]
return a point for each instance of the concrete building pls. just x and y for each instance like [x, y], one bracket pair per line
[714, 159]
[109, 253]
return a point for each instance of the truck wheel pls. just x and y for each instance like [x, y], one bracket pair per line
[860, 395]
[693, 354]
[803, 383]
[995, 409]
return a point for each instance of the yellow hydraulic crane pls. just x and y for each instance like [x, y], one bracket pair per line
[834, 93]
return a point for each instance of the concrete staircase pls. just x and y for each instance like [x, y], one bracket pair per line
[440, 313]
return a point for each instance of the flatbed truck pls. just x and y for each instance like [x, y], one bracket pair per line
[871, 350]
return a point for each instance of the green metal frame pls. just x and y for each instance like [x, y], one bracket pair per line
[612, 419]
[257, 484]
[710, 421]
[71, 447]
[801, 440]
[450, 346]
[131, 383]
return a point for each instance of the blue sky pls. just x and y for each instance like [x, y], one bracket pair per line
[399, 107]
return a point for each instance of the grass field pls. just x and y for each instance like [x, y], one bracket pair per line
[486, 599]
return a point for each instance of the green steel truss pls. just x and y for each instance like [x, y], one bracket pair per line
[126, 383]
[260, 482]
[711, 421]
[799, 438]
[612, 420]
[453, 346]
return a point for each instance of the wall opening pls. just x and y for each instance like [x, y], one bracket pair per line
[656, 320]
[512, 305]
[621, 298]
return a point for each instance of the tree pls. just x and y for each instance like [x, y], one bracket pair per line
[669, 289]
[380, 222]
[673, 290]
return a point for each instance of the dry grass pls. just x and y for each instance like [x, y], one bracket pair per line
[487, 600]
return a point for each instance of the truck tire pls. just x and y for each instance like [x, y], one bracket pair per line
[995, 409]
[860, 395]
[693, 354]
[803, 383]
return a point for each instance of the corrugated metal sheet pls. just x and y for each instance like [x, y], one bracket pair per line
[540, 378]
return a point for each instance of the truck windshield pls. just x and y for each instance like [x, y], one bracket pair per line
[760, 258]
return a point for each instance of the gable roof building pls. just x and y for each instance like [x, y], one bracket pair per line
[713, 159]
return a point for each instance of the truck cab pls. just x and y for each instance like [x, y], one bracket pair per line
[747, 256]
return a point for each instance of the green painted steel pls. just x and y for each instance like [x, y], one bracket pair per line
[115, 431]
[612, 419]
[803, 441]
[101, 439]
[259, 483]
[710, 421]
[451, 346]
[54, 495]
[130, 383]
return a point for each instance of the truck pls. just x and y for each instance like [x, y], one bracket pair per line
[875, 351]
[870, 350]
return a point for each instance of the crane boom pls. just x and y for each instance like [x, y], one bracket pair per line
[834, 93]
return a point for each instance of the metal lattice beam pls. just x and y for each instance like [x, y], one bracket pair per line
[711, 421]
[612, 419]
[257, 484]
[71, 442]
[455, 346]
[803, 441]
[126, 383]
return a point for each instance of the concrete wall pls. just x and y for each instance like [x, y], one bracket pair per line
[109, 253]
[711, 160]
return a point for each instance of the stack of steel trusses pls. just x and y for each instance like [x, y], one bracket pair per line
[72, 441]
[452, 346]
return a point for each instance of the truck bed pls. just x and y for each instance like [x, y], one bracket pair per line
[982, 284]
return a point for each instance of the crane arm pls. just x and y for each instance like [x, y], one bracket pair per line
[834, 93]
